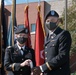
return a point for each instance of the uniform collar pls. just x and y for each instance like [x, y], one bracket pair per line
[52, 32]
[21, 47]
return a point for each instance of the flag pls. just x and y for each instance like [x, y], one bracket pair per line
[0, 37]
[3, 35]
[26, 24]
[4, 26]
[39, 40]
[10, 34]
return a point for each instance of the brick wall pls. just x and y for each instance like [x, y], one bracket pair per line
[20, 15]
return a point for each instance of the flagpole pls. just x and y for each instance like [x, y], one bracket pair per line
[13, 19]
[27, 2]
[26, 24]
[40, 15]
[0, 35]
[38, 2]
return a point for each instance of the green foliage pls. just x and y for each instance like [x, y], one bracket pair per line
[73, 73]
[71, 24]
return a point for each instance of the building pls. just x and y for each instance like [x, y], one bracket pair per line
[57, 5]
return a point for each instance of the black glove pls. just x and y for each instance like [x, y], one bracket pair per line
[36, 71]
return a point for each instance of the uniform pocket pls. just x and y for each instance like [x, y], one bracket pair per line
[52, 43]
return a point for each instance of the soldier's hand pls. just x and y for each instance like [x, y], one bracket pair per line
[36, 71]
[26, 62]
[41, 73]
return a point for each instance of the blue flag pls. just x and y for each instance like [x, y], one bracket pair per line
[9, 34]
[13, 23]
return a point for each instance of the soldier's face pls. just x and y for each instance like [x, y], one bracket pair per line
[52, 19]
[51, 22]
[21, 38]
[22, 35]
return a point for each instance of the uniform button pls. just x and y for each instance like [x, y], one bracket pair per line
[45, 52]
[52, 37]
[45, 58]
[21, 69]
[60, 68]
[46, 47]
[22, 59]
[52, 44]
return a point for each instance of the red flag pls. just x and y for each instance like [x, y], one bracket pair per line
[26, 24]
[39, 40]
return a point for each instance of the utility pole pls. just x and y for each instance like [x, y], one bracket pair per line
[65, 27]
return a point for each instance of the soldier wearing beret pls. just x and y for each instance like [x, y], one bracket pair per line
[57, 48]
[19, 59]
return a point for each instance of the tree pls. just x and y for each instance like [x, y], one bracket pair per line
[71, 24]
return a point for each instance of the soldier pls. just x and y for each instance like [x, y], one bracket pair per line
[57, 47]
[18, 57]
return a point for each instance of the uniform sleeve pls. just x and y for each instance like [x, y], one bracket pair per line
[9, 66]
[33, 58]
[63, 53]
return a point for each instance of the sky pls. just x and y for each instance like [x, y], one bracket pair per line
[9, 2]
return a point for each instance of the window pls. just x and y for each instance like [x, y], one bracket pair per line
[21, 26]
[33, 27]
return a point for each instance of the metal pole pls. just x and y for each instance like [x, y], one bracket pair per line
[38, 2]
[13, 19]
[65, 27]
[0, 34]
[27, 2]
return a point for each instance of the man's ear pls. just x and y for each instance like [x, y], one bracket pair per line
[60, 21]
[57, 21]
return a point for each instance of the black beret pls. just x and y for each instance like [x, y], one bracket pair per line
[21, 30]
[52, 13]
